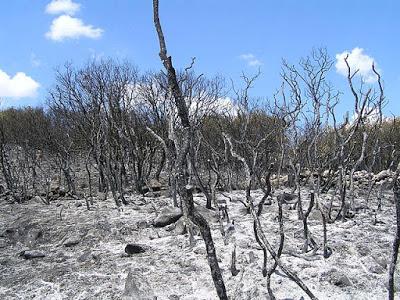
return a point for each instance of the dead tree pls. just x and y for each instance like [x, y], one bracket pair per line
[185, 190]
[266, 190]
[366, 103]
[272, 269]
[234, 271]
[356, 166]
[307, 236]
[305, 116]
[396, 242]
[259, 231]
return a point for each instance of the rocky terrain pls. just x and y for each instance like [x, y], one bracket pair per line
[64, 251]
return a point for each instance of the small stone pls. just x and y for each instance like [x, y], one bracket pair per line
[167, 216]
[72, 241]
[85, 257]
[134, 249]
[336, 277]
[155, 185]
[137, 287]
[200, 250]
[315, 216]
[180, 227]
[78, 204]
[30, 254]
[170, 227]
[38, 199]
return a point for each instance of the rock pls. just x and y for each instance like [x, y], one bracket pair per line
[210, 215]
[134, 249]
[72, 241]
[137, 287]
[180, 227]
[383, 175]
[38, 200]
[78, 204]
[167, 216]
[155, 185]
[30, 254]
[173, 297]
[170, 227]
[315, 215]
[336, 277]
[200, 250]
[87, 255]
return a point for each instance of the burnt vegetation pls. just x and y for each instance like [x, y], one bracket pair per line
[111, 131]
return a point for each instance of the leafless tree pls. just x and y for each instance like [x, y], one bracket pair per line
[185, 191]
[396, 242]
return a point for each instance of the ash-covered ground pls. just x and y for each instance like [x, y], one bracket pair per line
[81, 252]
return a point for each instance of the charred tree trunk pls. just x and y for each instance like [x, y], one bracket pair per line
[305, 224]
[198, 178]
[161, 165]
[234, 271]
[184, 190]
[396, 242]
[279, 252]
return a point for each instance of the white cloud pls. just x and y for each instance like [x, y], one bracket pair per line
[19, 86]
[57, 7]
[371, 115]
[65, 27]
[225, 105]
[251, 60]
[357, 61]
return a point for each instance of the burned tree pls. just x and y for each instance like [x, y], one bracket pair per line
[184, 190]
[396, 242]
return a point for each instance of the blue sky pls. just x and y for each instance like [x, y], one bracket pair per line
[226, 37]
